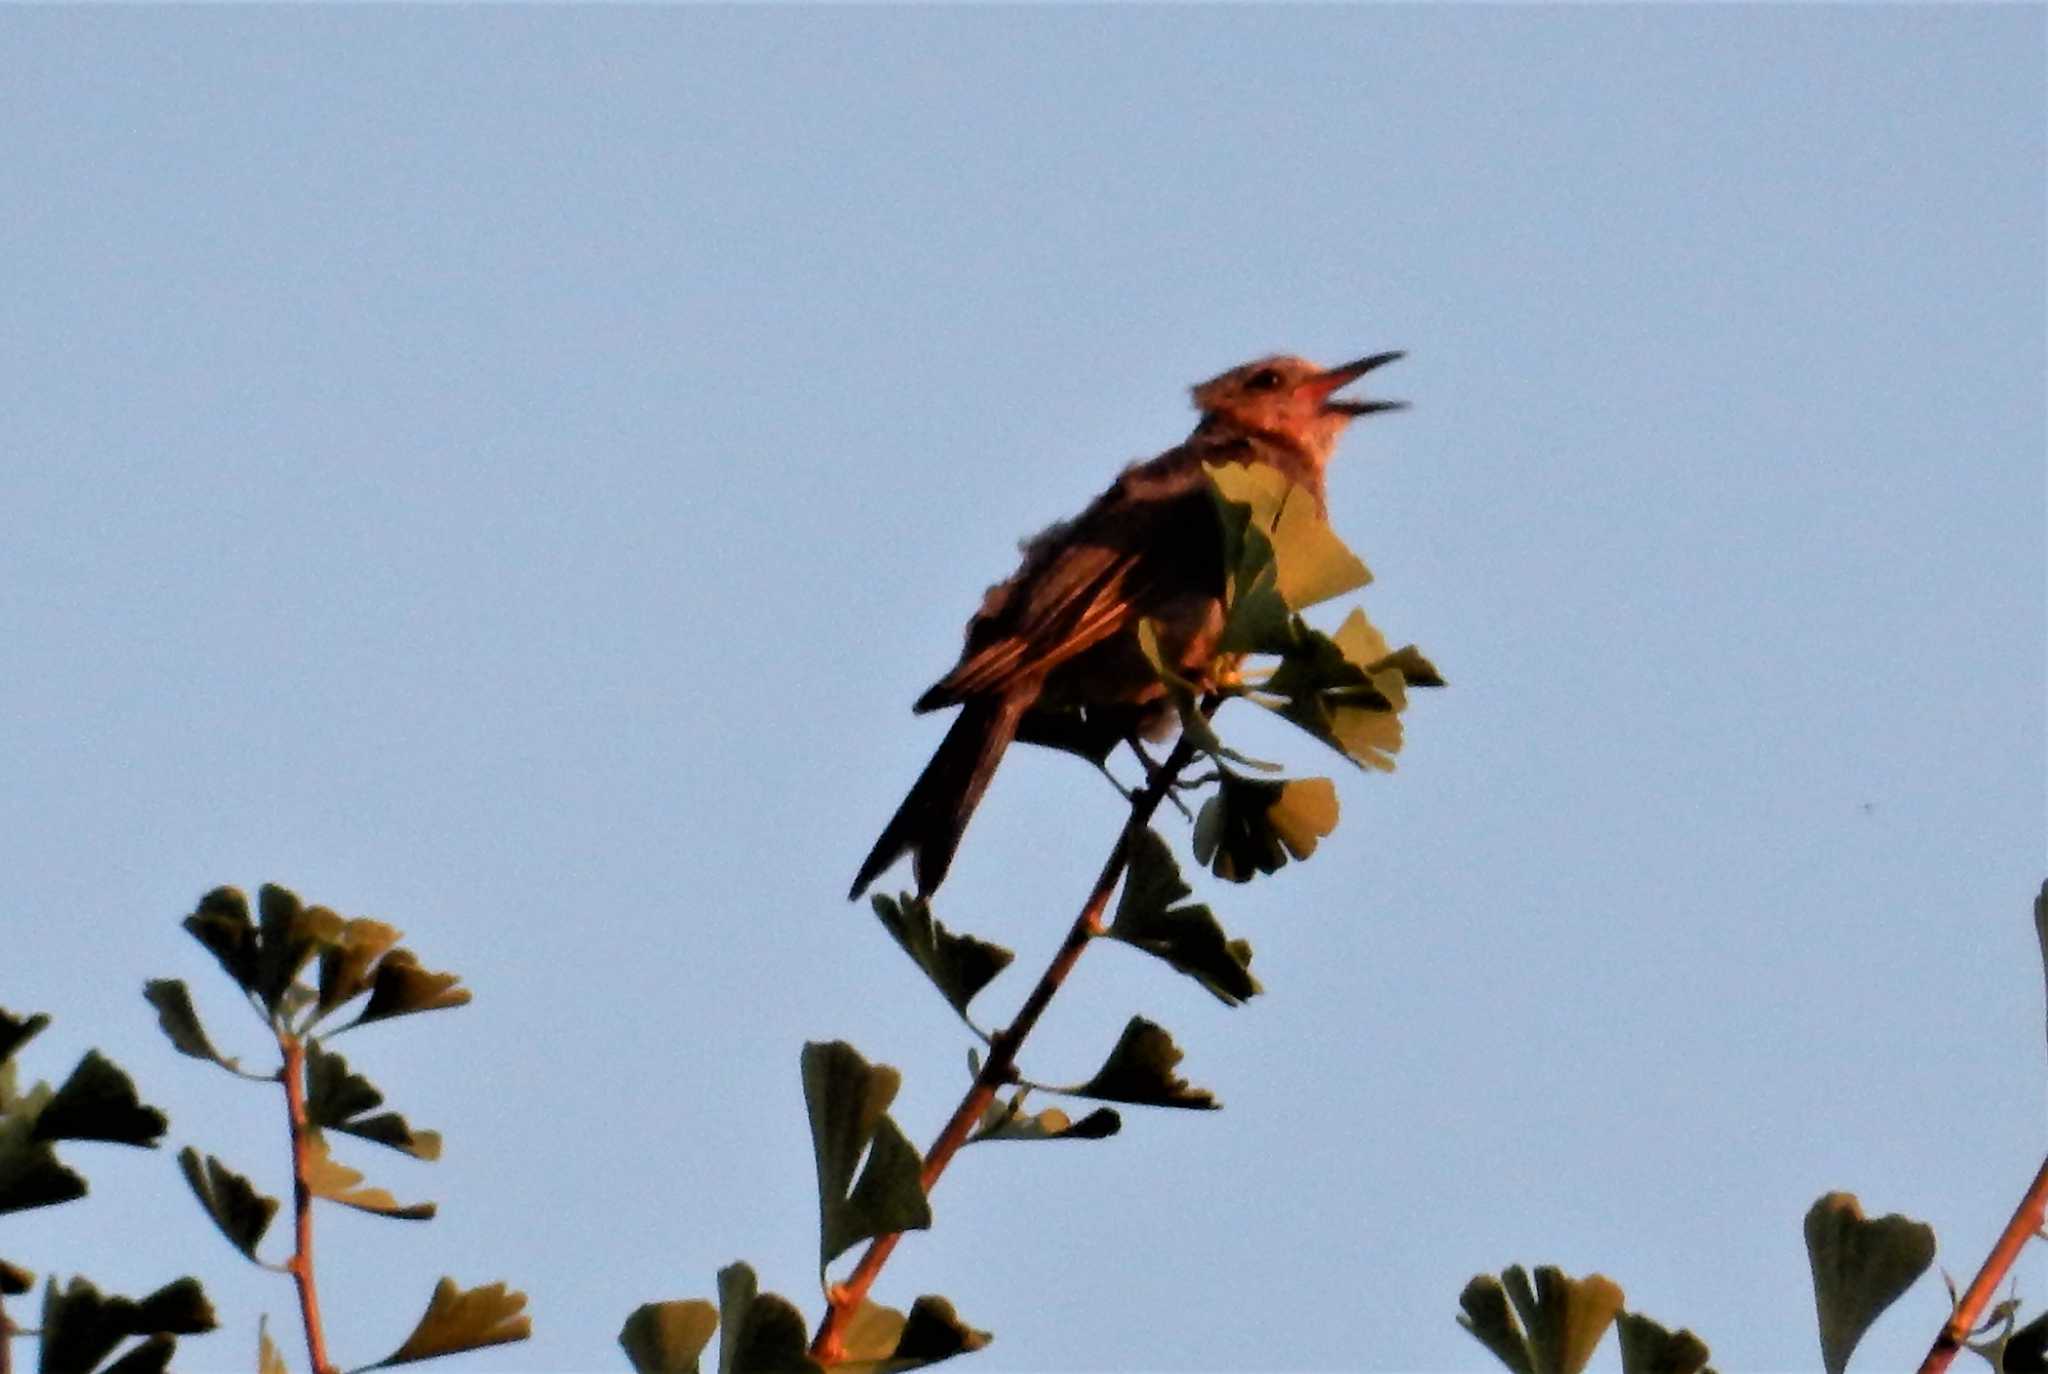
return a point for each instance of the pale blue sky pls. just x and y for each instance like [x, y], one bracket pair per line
[508, 472]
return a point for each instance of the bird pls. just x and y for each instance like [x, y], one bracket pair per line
[1061, 633]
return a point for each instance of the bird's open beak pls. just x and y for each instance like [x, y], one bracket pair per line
[1324, 383]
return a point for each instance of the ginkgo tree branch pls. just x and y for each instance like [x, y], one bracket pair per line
[2024, 1226]
[1001, 1066]
[300, 1265]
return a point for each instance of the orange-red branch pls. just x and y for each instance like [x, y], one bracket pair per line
[300, 1265]
[2025, 1224]
[846, 1298]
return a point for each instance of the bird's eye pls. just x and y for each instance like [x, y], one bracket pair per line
[1265, 379]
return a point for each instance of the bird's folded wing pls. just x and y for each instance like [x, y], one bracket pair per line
[1085, 595]
[1136, 550]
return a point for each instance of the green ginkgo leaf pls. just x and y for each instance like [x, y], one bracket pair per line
[1860, 1267]
[81, 1326]
[848, 1101]
[959, 966]
[758, 1333]
[31, 1175]
[337, 1099]
[934, 1332]
[1647, 1348]
[98, 1102]
[668, 1337]
[1151, 916]
[1553, 1327]
[16, 1031]
[241, 1213]
[179, 1021]
[1140, 1070]
[1255, 825]
[221, 923]
[400, 987]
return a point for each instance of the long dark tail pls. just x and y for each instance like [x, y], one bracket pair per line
[932, 817]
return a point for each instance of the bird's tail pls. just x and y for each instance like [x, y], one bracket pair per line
[929, 823]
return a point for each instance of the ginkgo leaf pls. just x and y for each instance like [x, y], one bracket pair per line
[1860, 1267]
[1561, 1319]
[98, 1102]
[958, 965]
[894, 1343]
[460, 1319]
[1257, 617]
[668, 1337]
[1007, 1120]
[221, 923]
[269, 1359]
[16, 1031]
[2025, 1350]
[241, 1213]
[333, 1093]
[868, 1338]
[347, 962]
[1140, 1070]
[328, 1177]
[401, 987]
[81, 1326]
[337, 1098]
[179, 1307]
[179, 1021]
[1150, 916]
[758, 1333]
[289, 935]
[848, 1101]
[1254, 825]
[31, 1175]
[1647, 1348]
[934, 1332]
[1312, 563]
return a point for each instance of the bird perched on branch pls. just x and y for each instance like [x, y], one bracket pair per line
[1061, 631]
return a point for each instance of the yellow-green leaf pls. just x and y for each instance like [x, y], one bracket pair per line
[668, 1337]
[459, 1319]
[328, 1177]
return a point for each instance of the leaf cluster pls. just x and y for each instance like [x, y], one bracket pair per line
[97, 1101]
[1552, 1326]
[1860, 1267]
[763, 1333]
[300, 967]
[267, 956]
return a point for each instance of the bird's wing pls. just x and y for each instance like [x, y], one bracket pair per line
[1086, 580]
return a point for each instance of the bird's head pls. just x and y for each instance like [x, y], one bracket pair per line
[1292, 397]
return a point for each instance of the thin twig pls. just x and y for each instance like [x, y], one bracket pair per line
[2025, 1224]
[846, 1298]
[300, 1265]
